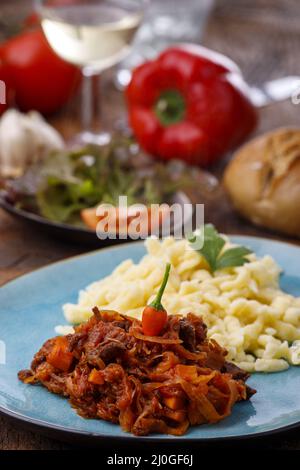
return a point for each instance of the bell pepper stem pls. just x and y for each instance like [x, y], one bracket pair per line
[157, 301]
[170, 108]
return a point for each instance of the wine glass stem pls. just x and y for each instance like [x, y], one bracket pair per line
[91, 105]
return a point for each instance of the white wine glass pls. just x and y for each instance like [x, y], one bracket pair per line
[94, 35]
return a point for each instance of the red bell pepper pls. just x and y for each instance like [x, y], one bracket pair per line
[190, 103]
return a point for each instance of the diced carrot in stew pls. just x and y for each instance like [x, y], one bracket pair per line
[60, 356]
[96, 377]
[188, 373]
[174, 403]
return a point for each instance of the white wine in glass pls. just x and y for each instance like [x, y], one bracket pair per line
[93, 34]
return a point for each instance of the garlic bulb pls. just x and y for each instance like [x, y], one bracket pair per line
[25, 139]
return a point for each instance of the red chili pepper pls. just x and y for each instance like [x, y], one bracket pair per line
[154, 315]
[189, 103]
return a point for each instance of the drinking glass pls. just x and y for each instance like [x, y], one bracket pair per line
[166, 22]
[94, 35]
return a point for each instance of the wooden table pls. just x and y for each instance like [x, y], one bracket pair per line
[263, 37]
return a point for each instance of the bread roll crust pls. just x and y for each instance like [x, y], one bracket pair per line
[263, 180]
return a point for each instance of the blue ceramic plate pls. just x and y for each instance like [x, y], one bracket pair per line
[30, 307]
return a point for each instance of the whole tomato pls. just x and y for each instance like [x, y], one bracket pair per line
[41, 80]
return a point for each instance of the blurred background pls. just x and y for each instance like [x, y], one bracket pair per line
[262, 36]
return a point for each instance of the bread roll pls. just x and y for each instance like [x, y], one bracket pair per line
[263, 180]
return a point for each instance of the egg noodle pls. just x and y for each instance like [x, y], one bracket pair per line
[244, 308]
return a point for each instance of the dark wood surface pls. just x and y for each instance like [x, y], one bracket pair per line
[263, 37]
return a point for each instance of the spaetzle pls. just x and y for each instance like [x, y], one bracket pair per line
[244, 308]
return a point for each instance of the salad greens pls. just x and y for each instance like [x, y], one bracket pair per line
[66, 182]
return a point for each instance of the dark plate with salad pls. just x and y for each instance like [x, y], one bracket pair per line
[60, 194]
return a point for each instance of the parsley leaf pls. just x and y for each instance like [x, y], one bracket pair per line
[233, 257]
[212, 248]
